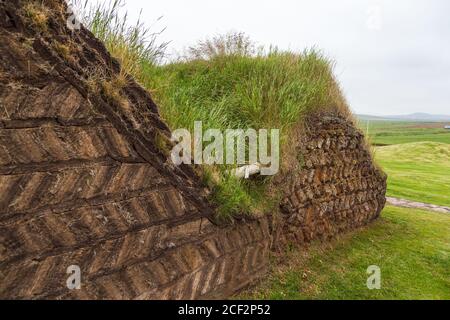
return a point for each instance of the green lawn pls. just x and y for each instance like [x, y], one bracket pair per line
[411, 247]
[398, 132]
[417, 171]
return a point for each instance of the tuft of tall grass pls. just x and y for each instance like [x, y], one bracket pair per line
[131, 44]
[38, 14]
[229, 44]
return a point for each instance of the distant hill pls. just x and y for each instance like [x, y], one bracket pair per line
[417, 117]
[372, 118]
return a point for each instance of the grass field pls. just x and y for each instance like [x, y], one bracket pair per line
[417, 171]
[398, 132]
[411, 247]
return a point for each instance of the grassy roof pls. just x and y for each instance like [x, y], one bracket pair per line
[275, 90]
[226, 83]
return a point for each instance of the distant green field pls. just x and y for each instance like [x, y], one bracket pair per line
[417, 171]
[411, 247]
[397, 132]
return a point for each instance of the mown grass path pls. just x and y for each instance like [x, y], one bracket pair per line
[417, 205]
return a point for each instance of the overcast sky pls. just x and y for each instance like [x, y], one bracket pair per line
[392, 56]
